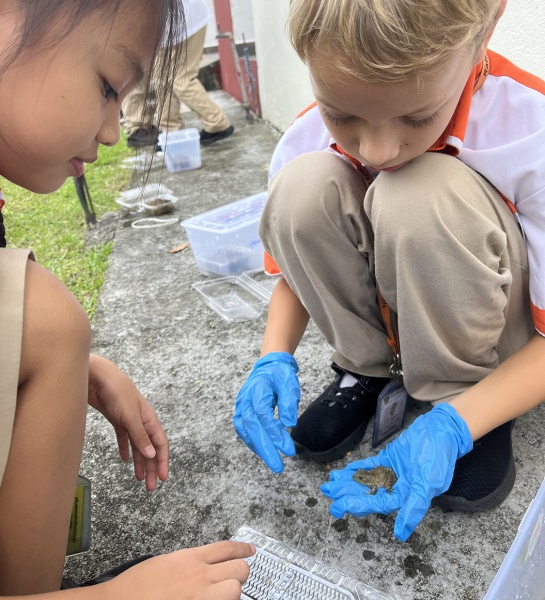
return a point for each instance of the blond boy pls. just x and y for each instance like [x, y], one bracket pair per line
[432, 163]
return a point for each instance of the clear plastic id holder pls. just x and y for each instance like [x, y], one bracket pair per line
[391, 408]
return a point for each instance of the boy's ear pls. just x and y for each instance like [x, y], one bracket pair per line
[484, 45]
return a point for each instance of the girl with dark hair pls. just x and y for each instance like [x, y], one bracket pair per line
[65, 67]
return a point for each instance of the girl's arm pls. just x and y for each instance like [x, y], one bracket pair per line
[135, 422]
[213, 571]
[512, 389]
[286, 322]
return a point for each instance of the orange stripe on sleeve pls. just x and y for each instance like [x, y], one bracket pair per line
[270, 267]
[500, 66]
[538, 315]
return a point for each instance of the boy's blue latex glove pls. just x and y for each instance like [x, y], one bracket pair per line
[272, 382]
[423, 458]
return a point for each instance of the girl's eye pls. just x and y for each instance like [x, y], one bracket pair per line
[418, 123]
[109, 92]
[336, 120]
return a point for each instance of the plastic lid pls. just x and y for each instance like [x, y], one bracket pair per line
[230, 216]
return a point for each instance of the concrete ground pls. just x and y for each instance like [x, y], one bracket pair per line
[190, 364]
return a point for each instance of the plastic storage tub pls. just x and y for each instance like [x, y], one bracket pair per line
[182, 149]
[522, 573]
[280, 572]
[231, 298]
[139, 196]
[262, 283]
[225, 241]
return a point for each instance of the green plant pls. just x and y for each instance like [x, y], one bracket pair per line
[54, 225]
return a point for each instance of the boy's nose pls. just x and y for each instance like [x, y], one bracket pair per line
[109, 132]
[379, 149]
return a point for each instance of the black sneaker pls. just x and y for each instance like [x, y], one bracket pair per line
[484, 477]
[210, 138]
[142, 138]
[335, 422]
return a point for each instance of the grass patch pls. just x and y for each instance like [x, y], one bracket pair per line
[53, 225]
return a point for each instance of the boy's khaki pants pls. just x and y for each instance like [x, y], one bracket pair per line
[186, 88]
[442, 245]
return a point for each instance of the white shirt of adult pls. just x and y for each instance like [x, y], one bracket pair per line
[197, 15]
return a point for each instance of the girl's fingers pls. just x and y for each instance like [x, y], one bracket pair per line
[151, 474]
[161, 444]
[225, 551]
[236, 569]
[139, 464]
[122, 443]
[230, 589]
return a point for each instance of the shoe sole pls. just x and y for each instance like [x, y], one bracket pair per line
[338, 451]
[495, 498]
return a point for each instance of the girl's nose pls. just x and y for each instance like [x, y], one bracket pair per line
[109, 132]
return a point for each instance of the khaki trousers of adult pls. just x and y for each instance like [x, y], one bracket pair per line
[136, 113]
[443, 247]
[188, 89]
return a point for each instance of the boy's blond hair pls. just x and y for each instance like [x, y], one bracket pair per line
[387, 41]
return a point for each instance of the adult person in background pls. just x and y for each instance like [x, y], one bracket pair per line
[186, 88]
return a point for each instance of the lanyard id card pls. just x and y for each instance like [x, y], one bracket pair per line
[392, 401]
[391, 408]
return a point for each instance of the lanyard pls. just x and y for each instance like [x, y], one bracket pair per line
[389, 318]
[482, 75]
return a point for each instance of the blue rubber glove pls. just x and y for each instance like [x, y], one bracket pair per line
[423, 458]
[273, 382]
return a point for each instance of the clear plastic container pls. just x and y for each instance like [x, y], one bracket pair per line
[136, 196]
[279, 572]
[182, 149]
[231, 298]
[521, 575]
[225, 241]
[262, 283]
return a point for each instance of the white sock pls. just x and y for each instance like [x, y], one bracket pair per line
[348, 380]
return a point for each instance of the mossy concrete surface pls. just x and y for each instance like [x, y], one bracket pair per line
[190, 364]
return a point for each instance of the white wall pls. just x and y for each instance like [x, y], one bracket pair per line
[283, 80]
[210, 39]
[519, 35]
[243, 22]
[284, 88]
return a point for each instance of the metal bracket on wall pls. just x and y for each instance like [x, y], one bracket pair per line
[245, 103]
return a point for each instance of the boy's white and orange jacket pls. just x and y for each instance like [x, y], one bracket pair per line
[498, 130]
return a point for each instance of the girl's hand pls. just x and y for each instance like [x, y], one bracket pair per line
[423, 458]
[113, 394]
[213, 572]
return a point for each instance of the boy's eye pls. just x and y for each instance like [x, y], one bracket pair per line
[336, 120]
[417, 123]
[109, 92]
